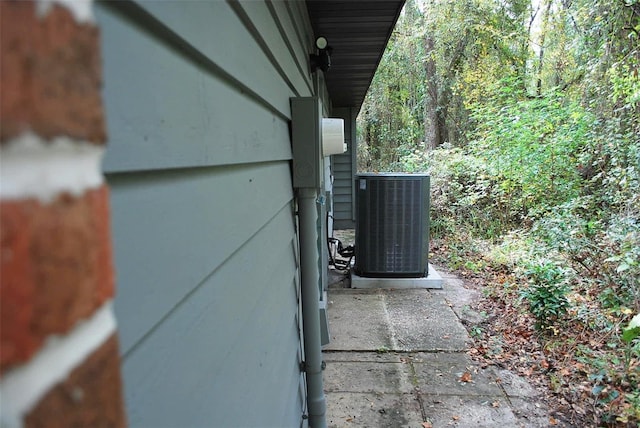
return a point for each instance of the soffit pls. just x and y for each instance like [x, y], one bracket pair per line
[358, 32]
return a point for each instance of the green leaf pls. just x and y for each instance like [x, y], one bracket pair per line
[596, 390]
[622, 267]
[632, 331]
[629, 334]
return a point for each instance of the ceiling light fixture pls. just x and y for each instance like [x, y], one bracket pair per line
[321, 60]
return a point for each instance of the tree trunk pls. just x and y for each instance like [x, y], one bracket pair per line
[431, 122]
[543, 35]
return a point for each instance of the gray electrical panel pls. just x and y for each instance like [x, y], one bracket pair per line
[306, 136]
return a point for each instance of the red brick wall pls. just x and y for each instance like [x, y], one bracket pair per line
[59, 359]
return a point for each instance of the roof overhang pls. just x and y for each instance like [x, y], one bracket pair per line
[358, 32]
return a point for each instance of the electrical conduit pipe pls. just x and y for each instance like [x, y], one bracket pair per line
[310, 275]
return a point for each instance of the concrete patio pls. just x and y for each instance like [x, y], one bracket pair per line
[397, 358]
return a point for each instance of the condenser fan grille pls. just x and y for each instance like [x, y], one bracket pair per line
[392, 225]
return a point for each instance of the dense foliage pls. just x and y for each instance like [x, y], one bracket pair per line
[527, 116]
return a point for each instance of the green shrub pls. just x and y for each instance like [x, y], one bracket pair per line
[546, 293]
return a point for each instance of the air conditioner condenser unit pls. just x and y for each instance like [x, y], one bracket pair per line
[392, 225]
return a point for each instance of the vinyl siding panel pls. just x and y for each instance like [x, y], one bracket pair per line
[340, 199]
[197, 100]
[343, 168]
[200, 362]
[296, 43]
[259, 18]
[174, 228]
[174, 112]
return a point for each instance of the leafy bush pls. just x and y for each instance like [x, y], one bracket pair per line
[546, 294]
[604, 252]
[530, 147]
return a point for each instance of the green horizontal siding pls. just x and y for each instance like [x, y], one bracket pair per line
[343, 171]
[197, 104]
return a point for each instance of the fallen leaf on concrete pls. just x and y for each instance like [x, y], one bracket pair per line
[495, 404]
[466, 377]
[455, 418]
[553, 421]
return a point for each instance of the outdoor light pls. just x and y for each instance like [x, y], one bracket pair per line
[321, 60]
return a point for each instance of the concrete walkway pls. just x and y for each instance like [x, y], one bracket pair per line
[397, 358]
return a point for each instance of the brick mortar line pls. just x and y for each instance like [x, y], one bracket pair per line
[80, 9]
[22, 387]
[33, 168]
